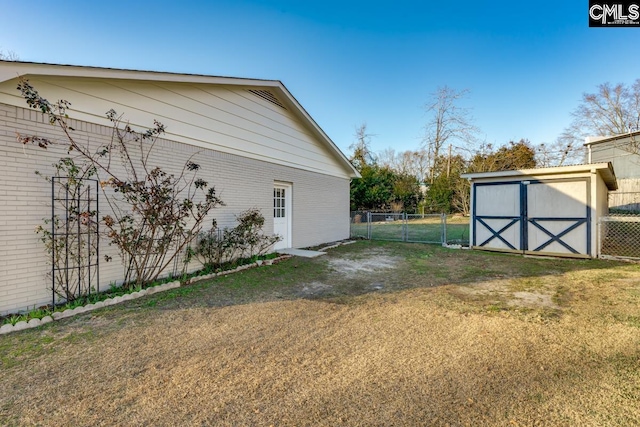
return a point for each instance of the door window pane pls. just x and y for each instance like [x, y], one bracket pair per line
[279, 203]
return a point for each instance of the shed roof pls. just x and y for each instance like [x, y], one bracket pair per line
[11, 69]
[605, 170]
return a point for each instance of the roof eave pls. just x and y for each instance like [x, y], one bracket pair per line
[21, 68]
[39, 68]
[604, 169]
[594, 140]
[353, 172]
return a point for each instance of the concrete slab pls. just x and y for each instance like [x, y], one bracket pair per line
[300, 252]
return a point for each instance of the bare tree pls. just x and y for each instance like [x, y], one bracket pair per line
[388, 158]
[449, 124]
[410, 162]
[362, 154]
[461, 199]
[9, 55]
[612, 110]
[565, 150]
[415, 163]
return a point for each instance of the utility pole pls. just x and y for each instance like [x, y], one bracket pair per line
[432, 166]
[449, 162]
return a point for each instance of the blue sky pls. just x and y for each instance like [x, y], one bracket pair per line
[525, 63]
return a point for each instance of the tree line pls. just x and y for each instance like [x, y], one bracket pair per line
[428, 179]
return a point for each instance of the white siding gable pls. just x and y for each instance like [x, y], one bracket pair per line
[225, 117]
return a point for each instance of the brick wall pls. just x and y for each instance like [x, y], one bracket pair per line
[320, 202]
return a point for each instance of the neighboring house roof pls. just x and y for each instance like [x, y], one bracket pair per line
[594, 140]
[604, 169]
[254, 118]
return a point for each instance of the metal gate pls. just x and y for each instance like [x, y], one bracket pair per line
[404, 227]
[551, 217]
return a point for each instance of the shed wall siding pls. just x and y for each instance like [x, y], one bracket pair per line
[229, 119]
[320, 201]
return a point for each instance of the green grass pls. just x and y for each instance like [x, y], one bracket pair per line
[465, 299]
[418, 266]
[628, 319]
[428, 230]
[116, 291]
[15, 351]
[458, 233]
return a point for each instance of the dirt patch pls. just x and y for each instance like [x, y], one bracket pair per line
[315, 289]
[371, 264]
[499, 291]
[533, 299]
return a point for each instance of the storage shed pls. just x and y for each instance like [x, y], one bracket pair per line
[546, 211]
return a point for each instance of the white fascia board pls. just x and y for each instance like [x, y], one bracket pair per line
[12, 69]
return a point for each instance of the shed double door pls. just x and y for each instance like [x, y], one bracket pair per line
[545, 217]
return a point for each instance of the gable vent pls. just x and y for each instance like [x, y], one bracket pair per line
[267, 96]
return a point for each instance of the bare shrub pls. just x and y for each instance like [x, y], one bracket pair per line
[245, 240]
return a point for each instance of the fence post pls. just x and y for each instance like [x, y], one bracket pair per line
[599, 238]
[443, 221]
[404, 227]
[368, 225]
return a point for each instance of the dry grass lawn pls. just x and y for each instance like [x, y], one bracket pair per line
[371, 334]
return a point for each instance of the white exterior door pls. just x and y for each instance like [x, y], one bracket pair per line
[282, 215]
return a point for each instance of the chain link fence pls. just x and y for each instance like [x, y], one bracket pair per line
[403, 227]
[360, 224]
[620, 235]
[425, 228]
[386, 226]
